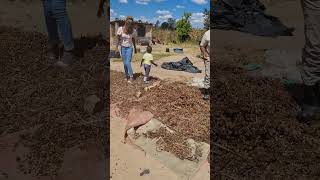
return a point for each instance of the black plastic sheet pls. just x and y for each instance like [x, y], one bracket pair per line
[247, 16]
[183, 65]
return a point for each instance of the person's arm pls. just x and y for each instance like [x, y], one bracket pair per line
[141, 62]
[134, 36]
[204, 51]
[134, 45]
[118, 38]
[118, 43]
[203, 46]
[153, 63]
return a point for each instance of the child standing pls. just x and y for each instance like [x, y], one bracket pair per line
[147, 60]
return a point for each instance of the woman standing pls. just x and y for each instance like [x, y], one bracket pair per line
[126, 40]
[57, 20]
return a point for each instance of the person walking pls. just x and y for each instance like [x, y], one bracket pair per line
[146, 61]
[57, 22]
[127, 41]
[205, 50]
[310, 71]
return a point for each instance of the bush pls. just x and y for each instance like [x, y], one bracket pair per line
[167, 36]
[184, 28]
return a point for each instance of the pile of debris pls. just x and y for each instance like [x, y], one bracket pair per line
[175, 104]
[255, 132]
[46, 103]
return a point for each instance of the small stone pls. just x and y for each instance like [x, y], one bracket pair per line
[138, 94]
[146, 171]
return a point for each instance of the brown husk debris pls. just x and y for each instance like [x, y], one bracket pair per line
[255, 133]
[48, 101]
[175, 104]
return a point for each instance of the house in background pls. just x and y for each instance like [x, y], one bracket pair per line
[144, 31]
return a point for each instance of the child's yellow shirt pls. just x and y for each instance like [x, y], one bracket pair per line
[147, 58]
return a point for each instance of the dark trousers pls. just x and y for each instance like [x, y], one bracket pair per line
[57, 22]
[310, 71]
[147, 69]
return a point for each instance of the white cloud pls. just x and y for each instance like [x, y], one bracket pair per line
[122, 17]
[165, 17]
[143, 2]
[180, 7]
[200, 2]
[146, 2]
[123, 1]
[113, 14]
[197, 19]
[163, 12]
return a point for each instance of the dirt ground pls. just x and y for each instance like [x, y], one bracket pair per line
[39, 95]
[129, 162]
[190, 52]
[31, 153]
[255, 130]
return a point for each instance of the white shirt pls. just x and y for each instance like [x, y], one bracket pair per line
[206, 40]
[126, 39]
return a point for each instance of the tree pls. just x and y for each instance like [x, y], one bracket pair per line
[206, 22]
[171, 23]
[164, 25]
[157, 24]
[184, 27]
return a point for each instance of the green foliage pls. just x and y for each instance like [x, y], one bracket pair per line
[164, 25]
[168, 25]
[183, 28]
[172, 23]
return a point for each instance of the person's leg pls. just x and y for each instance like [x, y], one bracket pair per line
[59, 12]
[310, 71]
[52, 29]
[147, 72]
[207, 74]
[206, 79]
[128, 62]
[124, 59]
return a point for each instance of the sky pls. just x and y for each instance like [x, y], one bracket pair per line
[153, 10]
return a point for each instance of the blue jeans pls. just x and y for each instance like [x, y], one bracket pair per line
[126, 53]
[57, 21]
[147, 69]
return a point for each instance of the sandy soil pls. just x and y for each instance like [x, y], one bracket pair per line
[128, 162]
[163, 73]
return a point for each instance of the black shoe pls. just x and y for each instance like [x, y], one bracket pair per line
[52, 53]
[311, 105]
[67, 59]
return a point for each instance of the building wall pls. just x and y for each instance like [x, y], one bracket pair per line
[148, 31]
[114, 28]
